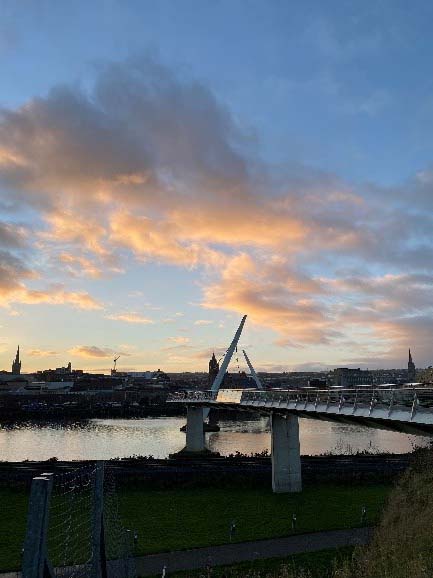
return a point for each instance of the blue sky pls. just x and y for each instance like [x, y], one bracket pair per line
[168, 163]
[341, 85]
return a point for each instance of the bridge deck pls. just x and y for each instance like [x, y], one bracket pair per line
[407, 409]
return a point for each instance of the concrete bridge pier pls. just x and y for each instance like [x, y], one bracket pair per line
[194, 430]
[286, 457]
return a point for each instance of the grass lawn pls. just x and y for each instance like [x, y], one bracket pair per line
[180, 519]
[188, 518]
[13, 512]
[317, 563]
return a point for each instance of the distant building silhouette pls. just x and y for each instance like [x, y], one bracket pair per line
[239, 380]
[16, 363]
[411, 370]
[214, 368]
[346, 377]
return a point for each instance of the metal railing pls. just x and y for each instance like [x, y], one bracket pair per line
[192, 396]
[411, 399]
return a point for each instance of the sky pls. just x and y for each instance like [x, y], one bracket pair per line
[167, 167]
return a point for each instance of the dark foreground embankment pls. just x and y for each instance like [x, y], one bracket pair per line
[176, 473]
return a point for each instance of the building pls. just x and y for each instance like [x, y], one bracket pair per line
[59, 374]
[411, 370]
[10, 383]
[214, 368]
[91, 382]
[146, 377]
[318, 382]
[345, 377]
[47, 387]
[239, 380]
[16, 363]
[425, 375]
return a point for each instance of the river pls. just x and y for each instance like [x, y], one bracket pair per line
[111, 438]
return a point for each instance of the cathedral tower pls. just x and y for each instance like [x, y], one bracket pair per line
[214, 367]
[411, 372]
[16, 363]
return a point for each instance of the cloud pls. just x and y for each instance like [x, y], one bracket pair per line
[12, 271]
[56, 296]
[80, 266]
[157, 241]
[273, 296]
[208, 351]
[42, 353]
[13, 235]
[136, 294]
[203, 322]
[15, 275]
[92, 351]
[182, 348]
[149, 165]
[180, 340]
[139, 129]
[130, 317]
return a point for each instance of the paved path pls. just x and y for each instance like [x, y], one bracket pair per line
[197, 558]
[244, 551]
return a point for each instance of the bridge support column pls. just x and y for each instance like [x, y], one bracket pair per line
[286, 458]
[194, 430]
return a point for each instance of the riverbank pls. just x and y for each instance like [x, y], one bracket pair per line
[221, 471]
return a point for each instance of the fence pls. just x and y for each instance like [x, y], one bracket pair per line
[74, 529]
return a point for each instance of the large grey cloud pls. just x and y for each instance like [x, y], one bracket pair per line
[139, 126]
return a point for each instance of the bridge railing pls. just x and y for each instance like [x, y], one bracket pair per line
[412, 398]
[192, 396]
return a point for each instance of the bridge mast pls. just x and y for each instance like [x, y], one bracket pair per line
[253, 373]
[222, 371]
[227, 358]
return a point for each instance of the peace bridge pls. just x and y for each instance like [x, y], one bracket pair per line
[407, 409]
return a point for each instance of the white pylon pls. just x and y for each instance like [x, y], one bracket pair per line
[253, 373]
[228, 356]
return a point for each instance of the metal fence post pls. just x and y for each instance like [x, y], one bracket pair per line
[35, 563]
[414, 406]
[99, 558]
[48, 571]
[128, 563]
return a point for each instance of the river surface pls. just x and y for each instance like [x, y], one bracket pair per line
[110, 438]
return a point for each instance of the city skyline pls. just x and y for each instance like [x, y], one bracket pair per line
[164, 172]
[237, 364]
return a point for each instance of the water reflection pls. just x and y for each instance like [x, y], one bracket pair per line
[108, 438]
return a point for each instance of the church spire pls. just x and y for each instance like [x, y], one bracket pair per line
[16, 364]
[411, 370]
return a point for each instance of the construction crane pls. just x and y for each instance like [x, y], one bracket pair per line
[115, 361]
[253, 373]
